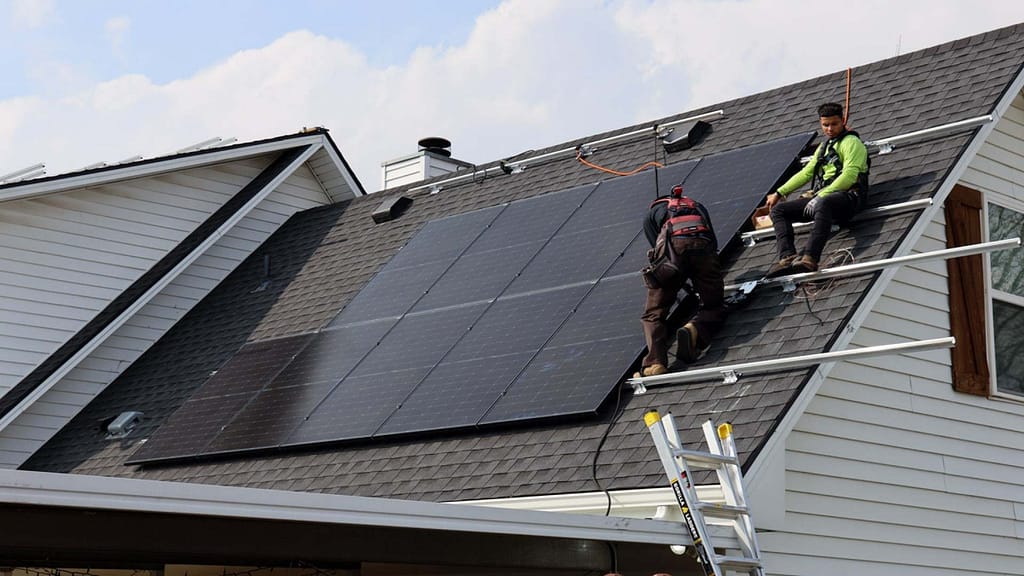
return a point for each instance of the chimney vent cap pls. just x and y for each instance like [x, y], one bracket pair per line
[437, 145]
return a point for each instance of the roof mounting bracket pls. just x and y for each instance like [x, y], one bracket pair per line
[585, 150]
[730, 376]
[788, 285]
[886, 148]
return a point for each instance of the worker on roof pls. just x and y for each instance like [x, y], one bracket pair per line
[684, 248]
[838, 173]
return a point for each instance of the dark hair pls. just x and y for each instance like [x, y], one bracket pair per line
[830, 109]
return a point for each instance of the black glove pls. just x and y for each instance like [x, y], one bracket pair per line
[809, 208]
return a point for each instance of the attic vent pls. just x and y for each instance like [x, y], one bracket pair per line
[686, 136]
[123, 424]
[391, 208]
[437, 145]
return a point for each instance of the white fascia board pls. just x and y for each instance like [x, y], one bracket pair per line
[332, 151]
[795, 411]
[154, 290]
[22, 487]
[150, 168]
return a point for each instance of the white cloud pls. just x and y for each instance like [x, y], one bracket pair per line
[31, 13]
[532, 74]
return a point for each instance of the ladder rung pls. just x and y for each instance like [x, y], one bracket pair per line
[722, 510]
[704, 459]
[740, 562]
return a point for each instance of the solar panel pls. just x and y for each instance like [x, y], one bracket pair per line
[358, 406]
[600, 339]
[194, 425]
[479, 369]
[731, 184]
[269, 419]
[510, 313]
[416, 267]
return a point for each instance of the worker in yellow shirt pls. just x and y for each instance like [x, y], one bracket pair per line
[838, 174]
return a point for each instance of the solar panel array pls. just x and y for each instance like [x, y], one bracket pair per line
[515, 312]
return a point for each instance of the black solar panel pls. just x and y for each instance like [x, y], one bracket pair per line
[479, 369]
[515, 312]
[193, 426]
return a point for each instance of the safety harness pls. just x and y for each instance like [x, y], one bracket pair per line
[829, 155]
[684, 218]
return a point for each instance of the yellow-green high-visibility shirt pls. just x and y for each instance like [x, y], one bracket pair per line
[854, 158]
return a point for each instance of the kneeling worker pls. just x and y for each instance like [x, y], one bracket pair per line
[838, 172]
[684, 248]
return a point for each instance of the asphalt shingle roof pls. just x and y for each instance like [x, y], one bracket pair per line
[322, 257]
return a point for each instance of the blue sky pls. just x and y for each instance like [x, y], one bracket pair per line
[89, 80]
[171, 40]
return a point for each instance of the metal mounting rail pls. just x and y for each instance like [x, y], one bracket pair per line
[732, 373]
[519, 165]
[875, 265]
[751, 238]
[886, 145]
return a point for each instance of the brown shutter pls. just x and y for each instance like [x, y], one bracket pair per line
[967, 293]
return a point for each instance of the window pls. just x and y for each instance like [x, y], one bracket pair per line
[1007, 269]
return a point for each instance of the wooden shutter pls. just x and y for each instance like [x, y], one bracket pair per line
[967, 295]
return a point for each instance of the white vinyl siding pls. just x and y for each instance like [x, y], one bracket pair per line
[889, 471]
[63, 310]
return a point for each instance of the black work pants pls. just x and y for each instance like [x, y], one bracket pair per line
[835, 207]
[697, 262]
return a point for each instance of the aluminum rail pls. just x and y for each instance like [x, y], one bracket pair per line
[886, 145]
[732, 372]
[521, 163]
[750, 238]
[875, 265]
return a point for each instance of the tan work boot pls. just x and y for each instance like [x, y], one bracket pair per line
[688, 348]
[805, 263]
[654, 370]
[782, 267]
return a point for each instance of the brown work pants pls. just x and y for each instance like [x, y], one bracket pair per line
[699, 263]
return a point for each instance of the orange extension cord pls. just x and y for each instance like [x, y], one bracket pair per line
[579, 156]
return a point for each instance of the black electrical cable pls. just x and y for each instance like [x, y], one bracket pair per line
[593, 465]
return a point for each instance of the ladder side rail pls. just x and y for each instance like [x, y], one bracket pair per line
[679, 477]
[746, 531]
[731, 480]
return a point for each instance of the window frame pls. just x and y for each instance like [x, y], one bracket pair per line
[992, 293]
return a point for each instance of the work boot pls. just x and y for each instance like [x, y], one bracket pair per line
[688, 346]
[782, 267]
[805, 263]
[654, 370]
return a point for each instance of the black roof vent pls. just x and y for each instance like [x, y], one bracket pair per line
[686, 136]
[391, 208]
[437, 145]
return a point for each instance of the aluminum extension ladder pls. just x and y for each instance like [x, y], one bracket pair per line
[721, 458]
